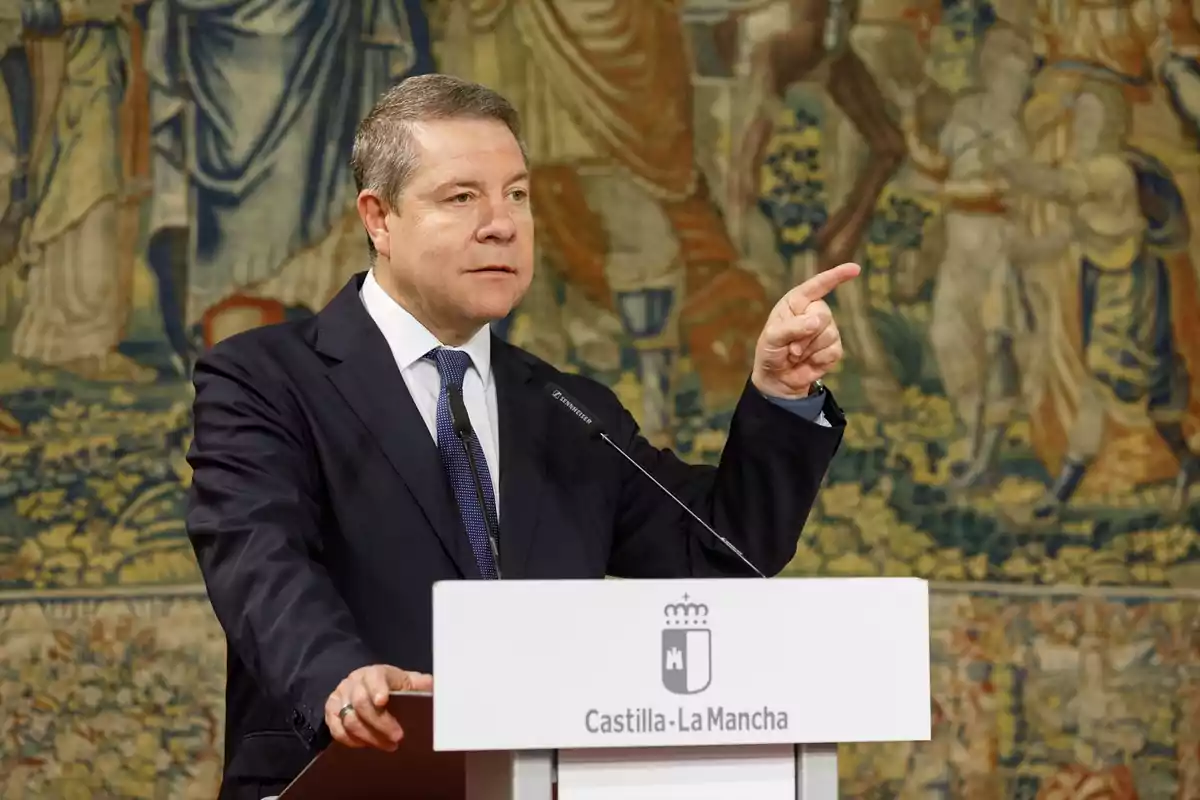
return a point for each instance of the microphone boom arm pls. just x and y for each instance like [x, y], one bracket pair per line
[462, 427]
[682, 505]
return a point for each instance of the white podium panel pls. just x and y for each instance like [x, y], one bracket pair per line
[765, 772]
[714, 772]
[572, 665]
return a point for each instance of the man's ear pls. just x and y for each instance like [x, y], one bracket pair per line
[373, 212]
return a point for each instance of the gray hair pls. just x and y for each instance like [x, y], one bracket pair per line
[384, 156]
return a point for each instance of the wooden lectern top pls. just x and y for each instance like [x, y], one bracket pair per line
[414, 770]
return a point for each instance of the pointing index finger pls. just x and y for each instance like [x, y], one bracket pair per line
[825, 282]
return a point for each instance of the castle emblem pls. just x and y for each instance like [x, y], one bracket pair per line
[686, 647]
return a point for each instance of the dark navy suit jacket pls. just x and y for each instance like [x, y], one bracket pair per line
[321, 516]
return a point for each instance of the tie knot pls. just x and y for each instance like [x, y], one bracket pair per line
[452, 364]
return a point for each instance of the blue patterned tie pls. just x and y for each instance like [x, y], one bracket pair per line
[452, 366]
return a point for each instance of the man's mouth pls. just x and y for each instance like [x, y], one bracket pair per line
[496, 269]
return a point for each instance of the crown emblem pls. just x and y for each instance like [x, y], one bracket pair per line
[686, 614]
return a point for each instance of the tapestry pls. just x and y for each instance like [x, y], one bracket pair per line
[1022, 380]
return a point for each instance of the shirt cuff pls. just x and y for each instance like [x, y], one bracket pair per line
[809, 408]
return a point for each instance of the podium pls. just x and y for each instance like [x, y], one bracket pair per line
[687, 689]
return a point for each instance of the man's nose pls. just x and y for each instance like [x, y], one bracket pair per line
[498, 225]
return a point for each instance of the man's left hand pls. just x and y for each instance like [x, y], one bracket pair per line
[800, 342]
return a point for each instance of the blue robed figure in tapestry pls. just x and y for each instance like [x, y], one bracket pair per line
[254, 105]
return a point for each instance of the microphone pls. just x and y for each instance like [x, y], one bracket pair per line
[462, 427]
[596, 429]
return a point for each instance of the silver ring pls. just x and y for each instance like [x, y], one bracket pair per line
[346, 709]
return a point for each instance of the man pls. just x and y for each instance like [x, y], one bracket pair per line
[330, 490]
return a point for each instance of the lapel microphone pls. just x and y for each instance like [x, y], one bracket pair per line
[596, 429]
[462, 427]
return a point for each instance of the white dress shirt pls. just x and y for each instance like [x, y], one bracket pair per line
[409, 341]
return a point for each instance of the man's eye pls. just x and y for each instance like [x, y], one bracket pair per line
[520, 195]
[461, 198]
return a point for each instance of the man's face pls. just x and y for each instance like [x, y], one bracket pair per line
[460, 244]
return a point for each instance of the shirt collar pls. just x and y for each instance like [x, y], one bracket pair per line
[409, 340]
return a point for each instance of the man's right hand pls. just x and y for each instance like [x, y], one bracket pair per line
[367, 723]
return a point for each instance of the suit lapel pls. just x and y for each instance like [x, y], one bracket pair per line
[367, 378]
[522, 421]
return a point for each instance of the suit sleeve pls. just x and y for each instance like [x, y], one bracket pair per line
[758, 497]
[254, 520]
